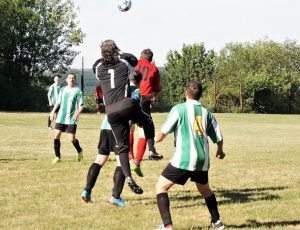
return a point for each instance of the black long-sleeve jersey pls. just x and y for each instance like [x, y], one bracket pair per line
[114, 79]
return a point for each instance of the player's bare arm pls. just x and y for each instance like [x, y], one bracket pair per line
[220, 154]
[78, 113]
[160, 136]
[53, 111]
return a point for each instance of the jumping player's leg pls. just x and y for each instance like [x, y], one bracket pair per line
[94, 170]
[118, 116]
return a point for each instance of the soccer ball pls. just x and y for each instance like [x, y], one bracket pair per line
[124, 5]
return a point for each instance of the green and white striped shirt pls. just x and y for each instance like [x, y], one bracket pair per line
[191, 124]
[53, 93]
[69, 99]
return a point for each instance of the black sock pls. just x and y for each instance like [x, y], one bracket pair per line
[92, 175]
[163, 205]
[150, 143]
[212, 205]
[119, 180]
[57, 147]
[125, 164]
[49, 122]
[77, 146]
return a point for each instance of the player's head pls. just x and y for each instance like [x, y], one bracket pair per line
[147, 54]
[193, 90]
[71, 79]
[136, 77]
[56, 78]
[110, 52]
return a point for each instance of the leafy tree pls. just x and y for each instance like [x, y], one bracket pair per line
[36, 36]
[193, 63]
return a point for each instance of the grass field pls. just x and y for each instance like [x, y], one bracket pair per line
[257, 184]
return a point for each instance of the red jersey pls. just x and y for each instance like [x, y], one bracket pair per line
[151, 77]
[99, 94]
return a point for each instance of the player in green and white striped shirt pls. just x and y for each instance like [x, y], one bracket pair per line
[192, 124]
[53, 92]
[70, 103]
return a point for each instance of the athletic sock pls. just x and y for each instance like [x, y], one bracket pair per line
[92, 175]
[141, 147]
[151, 147]
[119, 180]
[57, 147]
[212, 205]
[77, 146]
[125, 164]
[163, 205]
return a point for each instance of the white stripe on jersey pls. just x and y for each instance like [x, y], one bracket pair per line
[126, 86]
[205, 139]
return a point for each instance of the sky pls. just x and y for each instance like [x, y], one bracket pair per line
[164, 25]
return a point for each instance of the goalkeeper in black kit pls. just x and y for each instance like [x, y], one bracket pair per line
[113, 75]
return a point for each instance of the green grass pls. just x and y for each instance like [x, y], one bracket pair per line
[257, 184]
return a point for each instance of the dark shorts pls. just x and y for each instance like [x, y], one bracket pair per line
[146, 107]
[180, 176]
[106, 142]
[66, 128]
[118, 116]
[99, 101]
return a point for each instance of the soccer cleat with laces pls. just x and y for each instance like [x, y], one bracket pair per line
[133, 186]
[86, 197]
[80, 156]
[56, 160]
[136, 169]
[118, 202]
[155, 156]
[218, 225]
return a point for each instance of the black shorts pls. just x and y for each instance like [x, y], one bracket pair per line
[99, 101]
[66, 128]
[106, 142]
[180, 176]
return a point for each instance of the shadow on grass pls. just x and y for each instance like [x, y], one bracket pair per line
[192, 198]
[229, 196]
[255, 224]
[269, 224]
[6, 161]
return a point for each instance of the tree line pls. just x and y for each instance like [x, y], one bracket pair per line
[38, 37]
[261, 77]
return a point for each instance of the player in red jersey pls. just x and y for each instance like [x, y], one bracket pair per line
[149, 89]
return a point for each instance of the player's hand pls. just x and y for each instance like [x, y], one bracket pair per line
[76, 117]
[51, 116]
[153, 101]
[220, 154]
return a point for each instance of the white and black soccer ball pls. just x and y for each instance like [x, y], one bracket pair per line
[124, 5]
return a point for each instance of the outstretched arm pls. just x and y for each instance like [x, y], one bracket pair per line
[132, 60]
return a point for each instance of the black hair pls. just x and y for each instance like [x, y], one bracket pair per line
[136, 76]
[147, 54]
[194, 89]
[72, 74]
